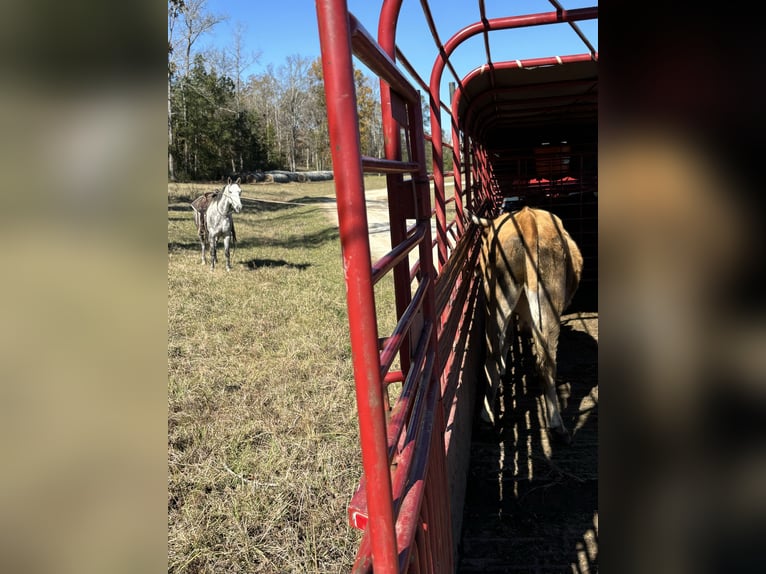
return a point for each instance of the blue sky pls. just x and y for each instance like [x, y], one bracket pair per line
[276, 29]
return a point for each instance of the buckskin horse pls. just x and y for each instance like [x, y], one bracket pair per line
[530, 265]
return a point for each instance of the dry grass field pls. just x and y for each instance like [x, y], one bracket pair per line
[263, 451]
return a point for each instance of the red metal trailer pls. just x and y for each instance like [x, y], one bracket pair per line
[523, 131]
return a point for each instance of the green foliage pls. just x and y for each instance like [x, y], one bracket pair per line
[212, 138]
[220, 123]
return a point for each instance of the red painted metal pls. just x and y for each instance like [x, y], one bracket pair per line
[335, 39]
[469, 118]
[383, 500]
[442, 60]
[402, 502]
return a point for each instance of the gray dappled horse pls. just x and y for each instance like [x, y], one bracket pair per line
[213, 217]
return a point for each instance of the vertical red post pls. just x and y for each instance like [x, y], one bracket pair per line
[337, 66]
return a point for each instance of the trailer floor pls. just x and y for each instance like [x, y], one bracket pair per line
[532, 506]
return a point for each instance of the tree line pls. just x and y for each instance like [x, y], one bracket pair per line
[221, 122]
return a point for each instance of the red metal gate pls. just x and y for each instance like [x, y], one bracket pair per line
[414, 452]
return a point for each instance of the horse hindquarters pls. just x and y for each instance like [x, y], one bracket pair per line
[546, 296]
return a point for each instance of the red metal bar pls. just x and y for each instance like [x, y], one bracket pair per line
[523, 21]
[435, 35]
[363, 562]
[401, 415]
[337, 66]
[414, 468]
[398, 253]
[367, 50]
[378, 165]
[485, 34]
[574, 27]
[436, 75]
[394, 342]
[468, 116]
[402, 411]
[413, 72]
[394, 118]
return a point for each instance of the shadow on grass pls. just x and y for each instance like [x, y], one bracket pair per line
[310, 240]
[177, 245]
[263, 205]
[261, 263]
[291, 242]
[306, 199]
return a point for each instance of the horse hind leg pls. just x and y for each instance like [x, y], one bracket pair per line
[226, 246]
[498, 343]
[545, 334]
[213, 254]
[198, 220]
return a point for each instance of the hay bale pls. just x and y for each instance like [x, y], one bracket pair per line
[319, 175]
[277, 177]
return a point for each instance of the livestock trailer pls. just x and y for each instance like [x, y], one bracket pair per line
[520, 131]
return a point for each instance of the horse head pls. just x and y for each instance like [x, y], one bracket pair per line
[232, 191]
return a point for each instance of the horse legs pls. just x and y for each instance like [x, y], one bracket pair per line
[546, 328]
[226, 244]
[199, 220]
[498, 343]
[213, 254]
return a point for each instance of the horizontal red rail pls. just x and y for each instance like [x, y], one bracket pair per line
[394, 342]
[400, 414]
[411, 475]
[403, 408]
[367, 50]
[398, 253]
[378, 165]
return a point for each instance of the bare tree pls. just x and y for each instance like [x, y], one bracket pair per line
[196, 21]
[188, 20]
[263, 97]
[294, 96]
[319, 140]
[174, 10]
[233, 61]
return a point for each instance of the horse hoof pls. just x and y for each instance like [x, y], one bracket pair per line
[560, 435]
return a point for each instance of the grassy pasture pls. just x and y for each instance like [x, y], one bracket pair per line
[263, 451]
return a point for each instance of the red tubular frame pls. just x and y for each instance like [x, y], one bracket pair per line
[403, 502]
[436, 75]
[387, 506]
[342, 119]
